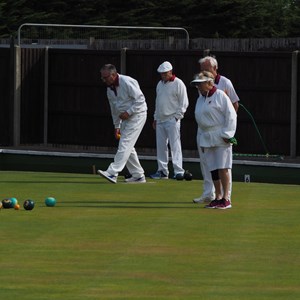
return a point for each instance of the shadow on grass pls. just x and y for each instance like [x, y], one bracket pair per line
[129, 204]
[52, 182]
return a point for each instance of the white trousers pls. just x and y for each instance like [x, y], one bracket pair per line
[168, 132]
[208, 185]
[126, 154]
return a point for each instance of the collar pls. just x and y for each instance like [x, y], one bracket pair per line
[211, 92]
[217, 79]
[115, 84]
[171, 79]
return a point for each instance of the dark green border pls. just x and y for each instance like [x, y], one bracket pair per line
[87, 165]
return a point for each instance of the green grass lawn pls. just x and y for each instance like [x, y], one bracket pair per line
[147, 241]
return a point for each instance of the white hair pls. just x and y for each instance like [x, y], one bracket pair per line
[212, 60]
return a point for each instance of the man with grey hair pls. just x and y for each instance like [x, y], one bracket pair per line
[210, 64]
[129, 114]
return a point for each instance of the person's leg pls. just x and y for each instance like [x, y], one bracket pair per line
[208, 193]
[130, 131]
[225, 202]
[162, 148]
[217, 184]
[208, 184]
[230, 184]
[225, 180]
[218, 189]
[173, 132]
[133, 165]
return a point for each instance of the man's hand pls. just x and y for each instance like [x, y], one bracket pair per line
[117, 133]
[124, 115]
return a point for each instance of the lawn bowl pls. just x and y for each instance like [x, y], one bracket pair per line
[14, 201]
[188, 176]
[50, 201]
[28, 204]
[6, 203]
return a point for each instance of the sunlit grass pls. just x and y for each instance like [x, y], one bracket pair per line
[147, 241]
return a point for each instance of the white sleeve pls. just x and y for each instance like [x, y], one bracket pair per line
[228, 131]
[183, 101]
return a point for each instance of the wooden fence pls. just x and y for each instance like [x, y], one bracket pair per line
[63, 101]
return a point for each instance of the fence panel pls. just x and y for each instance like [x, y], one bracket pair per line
[32, 95]
[79, 113]
[262, 81]
[6, 83]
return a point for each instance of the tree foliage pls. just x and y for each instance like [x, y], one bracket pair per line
[205, 18]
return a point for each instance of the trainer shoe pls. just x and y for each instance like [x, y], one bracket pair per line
[213, 204]
[179, 176]
[223, 204]
[136, 180]
[106, 175]
[203, 199]
[159, 175]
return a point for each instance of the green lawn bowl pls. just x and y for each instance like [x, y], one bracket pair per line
[50, 201]
[14, 201]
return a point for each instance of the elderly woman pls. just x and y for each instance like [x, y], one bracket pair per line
[216, 120]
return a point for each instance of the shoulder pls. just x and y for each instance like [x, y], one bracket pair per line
[125, 77]
[179, 82]
[225, 80]
[127, 80]
[220, 94]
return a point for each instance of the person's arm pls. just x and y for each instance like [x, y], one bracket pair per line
[183, 101]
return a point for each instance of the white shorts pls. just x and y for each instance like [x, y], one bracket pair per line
[218, 157]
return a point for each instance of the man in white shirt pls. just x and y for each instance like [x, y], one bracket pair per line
[170, 105]
[210, 64]
[129, 114]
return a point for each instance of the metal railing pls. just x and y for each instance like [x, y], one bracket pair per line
[32, 33]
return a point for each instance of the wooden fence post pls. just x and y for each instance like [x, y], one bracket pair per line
[17, 96]
[294, 88]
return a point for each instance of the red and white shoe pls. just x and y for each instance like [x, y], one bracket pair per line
[223, 204]
[213, 204]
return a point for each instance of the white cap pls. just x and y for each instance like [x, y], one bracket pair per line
[200, 78]
[164, 67]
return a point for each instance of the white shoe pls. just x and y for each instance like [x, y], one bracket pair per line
[136, 180]
[106, 175]
[203, 199]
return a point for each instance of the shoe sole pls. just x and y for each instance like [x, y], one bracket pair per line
[107, 178]
[226, 207]
[135, 182]
[210, 206]
[198, 201]
[202, 201]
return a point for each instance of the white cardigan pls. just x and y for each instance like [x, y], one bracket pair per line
[216, 118]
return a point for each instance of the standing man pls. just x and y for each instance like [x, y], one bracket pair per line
[170, 105]
[210, 64]
[129, 113]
